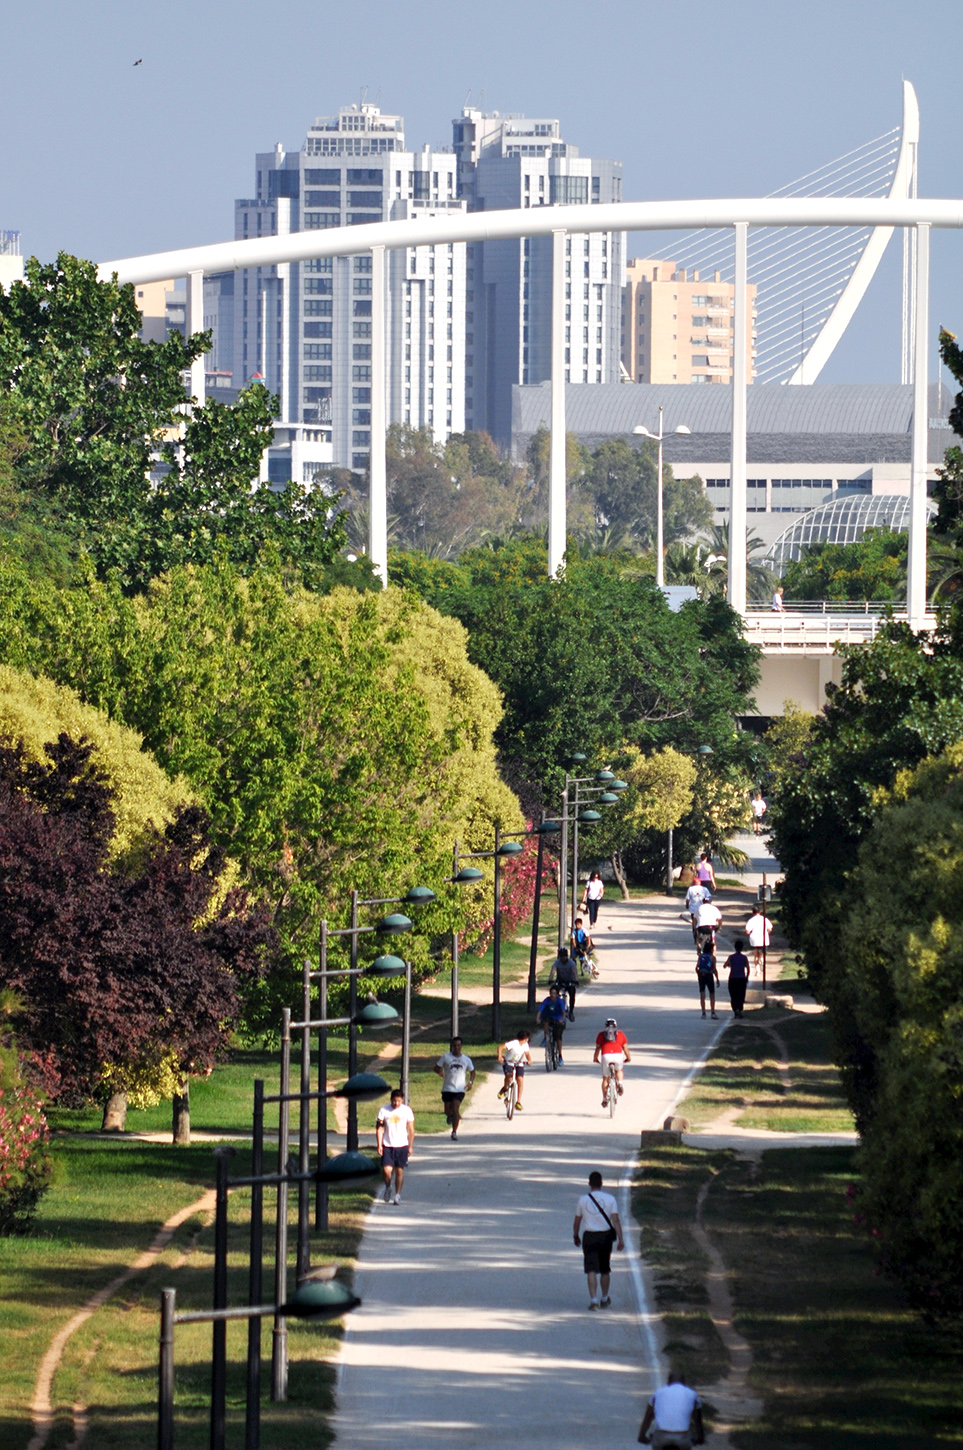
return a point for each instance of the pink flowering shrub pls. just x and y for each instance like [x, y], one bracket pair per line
[24, 1146]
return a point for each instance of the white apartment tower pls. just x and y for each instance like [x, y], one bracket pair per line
[305, 328]
[514, 161]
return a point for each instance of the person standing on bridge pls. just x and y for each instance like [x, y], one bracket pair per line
[596, 1230]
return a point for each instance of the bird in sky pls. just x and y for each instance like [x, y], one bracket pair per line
[139, 62]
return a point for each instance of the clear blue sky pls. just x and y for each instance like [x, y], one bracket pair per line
[709, 97]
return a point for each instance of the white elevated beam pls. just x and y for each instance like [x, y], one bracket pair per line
[557, 482]
[378, 485]
[740, 375]
[797, 211]
[916, 569]
[194, 322]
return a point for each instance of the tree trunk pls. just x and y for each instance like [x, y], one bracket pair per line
[115, 1114]
[181, 1123]
[616, 860]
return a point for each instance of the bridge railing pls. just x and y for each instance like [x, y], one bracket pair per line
[814, 630]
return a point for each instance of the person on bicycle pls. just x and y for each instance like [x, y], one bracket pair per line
[551, 1017]
[564, 975]
[612, 1049]
[513, 1056]
[582, 946]
[673, 1417]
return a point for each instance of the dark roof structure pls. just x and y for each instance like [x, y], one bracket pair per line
[825, 422]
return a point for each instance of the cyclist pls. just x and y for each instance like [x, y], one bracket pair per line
[582, 947]
[564, 974]
[611, 1048]
[708, 921]
[551, 1017]
[513, 1056]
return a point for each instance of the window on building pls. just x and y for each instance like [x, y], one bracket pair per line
[361, 415]
[319, 284]
[314, 374]
[371, 199]
[360, 309]
[313, 177]
[317, 329]
[319, 220]
[361, 374]
[320, 350]
[361, 351]
[362, 286]
[568, 190]
[322, 198]
[317, 307]
[356, 176]
[360, 460]
[319, 264]
[363, 264]
[361, 329]
[361, 395]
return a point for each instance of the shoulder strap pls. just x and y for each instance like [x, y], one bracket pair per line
[601, 1211]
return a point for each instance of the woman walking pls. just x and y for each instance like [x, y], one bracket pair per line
[737, 965]
[594, 891]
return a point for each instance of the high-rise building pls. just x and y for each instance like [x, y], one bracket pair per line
[305, 328]
[11, 262]
[514, 161]
[677, 327]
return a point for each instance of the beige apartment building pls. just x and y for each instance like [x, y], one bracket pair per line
[677, 328]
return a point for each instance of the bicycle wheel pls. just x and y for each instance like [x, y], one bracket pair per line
[556, 1052]
[510, 1097]
[549, 1051]
[613, 1094]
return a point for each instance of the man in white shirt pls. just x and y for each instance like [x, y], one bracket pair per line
[457, 1073]
[395, 1136]
[694, 898]
[758, 930]
[675, 1411]
[708, 920]
[596, 1228]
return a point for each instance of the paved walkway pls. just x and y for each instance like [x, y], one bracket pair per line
[474, 1330]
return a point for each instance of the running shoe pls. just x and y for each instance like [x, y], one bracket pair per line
[397, 1198]
[518, 1107]
[606, 1302]
[593, 1303]
[454, 1136]
[502, 1092]
[386, 1196]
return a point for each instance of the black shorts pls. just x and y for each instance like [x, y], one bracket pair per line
[517, 1067]
[707, 981]
[597, 1252]
[395, 1157]
[452, 1097]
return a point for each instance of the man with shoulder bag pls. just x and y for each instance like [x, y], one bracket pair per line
[597, 1230]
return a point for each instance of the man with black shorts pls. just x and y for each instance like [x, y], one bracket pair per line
[597, 1221]
[395, 1136]
[457, 1073]
[708, 975]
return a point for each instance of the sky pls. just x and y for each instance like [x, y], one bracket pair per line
[105, 158]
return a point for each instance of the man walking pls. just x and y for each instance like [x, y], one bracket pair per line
[737, 965]
[759, 931]
[694, 898]
[457, 1073]
[596, 1229]
[395, 1137]
[674, 1417]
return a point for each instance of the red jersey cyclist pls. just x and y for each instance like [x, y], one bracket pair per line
[612, 1049]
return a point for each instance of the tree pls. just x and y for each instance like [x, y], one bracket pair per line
[115, 969]
[760, 579]
[25, 1166]
[621, 481]
[336, 741]
[660, 794]
[896, 997]
[593, 661]
[105, 451]
[785, 743]
[874, 567]
[949, 488]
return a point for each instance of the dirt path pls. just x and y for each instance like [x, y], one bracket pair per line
[41, 1406]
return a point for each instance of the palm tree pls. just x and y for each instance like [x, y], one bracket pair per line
[761, 580]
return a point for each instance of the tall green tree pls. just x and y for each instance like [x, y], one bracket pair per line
[104, 450]
[874, 567]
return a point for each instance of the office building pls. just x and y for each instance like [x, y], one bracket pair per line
[514, 161]
[677, 326]
[305, 328]
[11, 262]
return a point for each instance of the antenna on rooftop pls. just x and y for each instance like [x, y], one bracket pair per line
[364, 94]
[464, 104]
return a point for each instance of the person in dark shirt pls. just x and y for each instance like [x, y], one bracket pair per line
[737, 965]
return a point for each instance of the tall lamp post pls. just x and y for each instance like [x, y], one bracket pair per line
[642, 432]
[602, 784]
[504, 846]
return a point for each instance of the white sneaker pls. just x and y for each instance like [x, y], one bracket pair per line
[397, 1198]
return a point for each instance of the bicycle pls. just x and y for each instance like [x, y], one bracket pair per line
[614, 1093]
[511, 1094]
[553, 1048]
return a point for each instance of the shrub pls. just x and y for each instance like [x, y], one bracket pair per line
[24, 1138]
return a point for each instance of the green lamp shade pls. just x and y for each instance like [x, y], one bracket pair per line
[467, 874]
[395, 923]
[608, 798]
[618, 785]
[604, 776]
[386, 966]
[705, 750]
[576, 758]
[377, 1014]
[346, 1168]
[510, 848]
[420, 896]
[588, 818]
[548, 828]
[320, 1300]
[364, 1087]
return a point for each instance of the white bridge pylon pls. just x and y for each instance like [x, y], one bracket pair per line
[740, 214]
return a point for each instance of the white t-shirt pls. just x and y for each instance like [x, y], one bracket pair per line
[694, 897]
[759, 808]
[592, 1220]
[594, 891]
[708, 915]
[456, 1071]
[673, 1406]
[514, 1051]
[396, 1122]
[759, 929]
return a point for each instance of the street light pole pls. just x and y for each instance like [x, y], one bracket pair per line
[643, 432]
[454, 955]
[497, 940]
